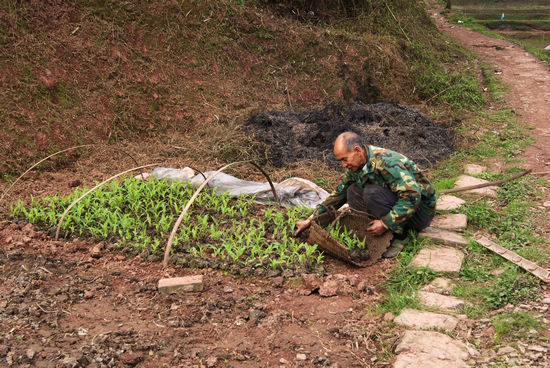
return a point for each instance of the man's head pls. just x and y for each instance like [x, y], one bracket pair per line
[349, 150]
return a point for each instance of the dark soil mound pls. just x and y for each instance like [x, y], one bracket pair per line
[309, 135]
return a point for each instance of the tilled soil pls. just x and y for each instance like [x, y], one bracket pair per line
[309, 135]
[63, 304]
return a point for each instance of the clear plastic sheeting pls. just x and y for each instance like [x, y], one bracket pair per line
[292, 192]
[169, 174]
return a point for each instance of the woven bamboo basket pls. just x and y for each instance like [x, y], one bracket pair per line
[375, 245]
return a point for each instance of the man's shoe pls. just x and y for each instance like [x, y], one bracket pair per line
[395, 247]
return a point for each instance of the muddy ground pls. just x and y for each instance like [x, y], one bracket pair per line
[309, 135]
[62, 305]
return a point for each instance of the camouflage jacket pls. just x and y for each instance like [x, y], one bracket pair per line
[396, 172]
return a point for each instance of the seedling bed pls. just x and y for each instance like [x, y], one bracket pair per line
[220, 231]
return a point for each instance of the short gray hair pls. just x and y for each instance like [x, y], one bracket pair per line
[351, 139]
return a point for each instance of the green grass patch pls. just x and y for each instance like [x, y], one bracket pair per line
[516, 326]
[220, 231]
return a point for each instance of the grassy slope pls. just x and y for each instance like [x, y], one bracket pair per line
[103, 71]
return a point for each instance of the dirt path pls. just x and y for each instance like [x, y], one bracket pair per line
[527, 78]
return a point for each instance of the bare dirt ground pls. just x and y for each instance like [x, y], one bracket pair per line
[63, 305]
[528, 80]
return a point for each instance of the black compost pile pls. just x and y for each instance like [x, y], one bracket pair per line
[309, 135]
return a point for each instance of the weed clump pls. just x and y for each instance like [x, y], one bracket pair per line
[223, 232]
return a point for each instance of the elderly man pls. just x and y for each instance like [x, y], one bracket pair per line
[385, 184]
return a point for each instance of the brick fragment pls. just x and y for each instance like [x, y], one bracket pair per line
[177, 284]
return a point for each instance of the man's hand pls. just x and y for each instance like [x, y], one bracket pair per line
[301, 226]
[376, 227]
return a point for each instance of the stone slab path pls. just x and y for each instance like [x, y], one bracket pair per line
[466, 181]
[442, 302]
[444, 237]
[454, 222]
[416, 319]
[448, 202]
[439, 259]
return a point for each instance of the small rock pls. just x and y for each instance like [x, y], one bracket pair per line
[283, 361]
[82, 332]
[278, 282]
[311, 281]
[301, 356]
[330, 288]
[130, 358]
[364, 286]
[546, 300]
[255, 314]
[88, 294]
[211, 362]
[546, 204]
[533, 331]
[75, 183]
[474, 169]
[228, 290]
[142, 176]
[96, 250]
[506, 350]
[538, 348]
[31, 352]
[389, 316]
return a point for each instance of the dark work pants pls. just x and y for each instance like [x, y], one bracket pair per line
[378, 201]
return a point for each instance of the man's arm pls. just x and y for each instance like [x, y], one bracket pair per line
[336, 199]
[403, 183]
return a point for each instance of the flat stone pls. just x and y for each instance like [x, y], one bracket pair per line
[176, 284]
[546, 300]
[441, 302]
[439, 259]
[416, 360]
[506, 350]
[413, 318]
[330, 288]
[546, 204]
[432, 343]
[455, 222]
[440, 285]
[466, 181]
[444, 236]
[474, 169]
[448, 202]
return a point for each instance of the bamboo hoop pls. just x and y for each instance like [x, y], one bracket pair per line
[194, 196]
[93, 189]
[38, 163]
